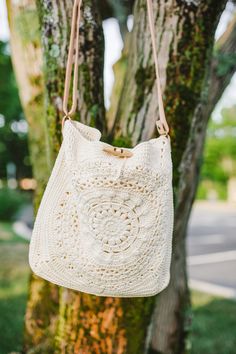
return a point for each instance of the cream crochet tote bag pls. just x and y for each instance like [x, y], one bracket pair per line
[104, 225]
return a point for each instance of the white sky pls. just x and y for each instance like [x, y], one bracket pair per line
[114, 45]
[229, 97]
[113, 48]
[4, 31]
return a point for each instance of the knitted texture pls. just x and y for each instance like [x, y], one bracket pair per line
[104, 225]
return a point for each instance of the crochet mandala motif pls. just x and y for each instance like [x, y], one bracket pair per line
[105, 223]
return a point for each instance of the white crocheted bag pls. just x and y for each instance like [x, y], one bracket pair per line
[104, 225]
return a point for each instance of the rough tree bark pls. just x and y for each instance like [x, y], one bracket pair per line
[59, 320]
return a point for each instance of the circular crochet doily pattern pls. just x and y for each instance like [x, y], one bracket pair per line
[111, 219]
[113, 229]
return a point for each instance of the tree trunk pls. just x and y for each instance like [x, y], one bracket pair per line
[185, 37]
[172, 315]
[59, 320]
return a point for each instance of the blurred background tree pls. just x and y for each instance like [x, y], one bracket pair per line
[15, 161]
[219, 160]
[13, 126]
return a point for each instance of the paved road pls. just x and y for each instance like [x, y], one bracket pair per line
[211, 247]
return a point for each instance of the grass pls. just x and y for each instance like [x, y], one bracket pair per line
[14, 273]
[214, 325]
[214, 319]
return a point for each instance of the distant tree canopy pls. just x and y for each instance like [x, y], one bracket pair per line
[13, 127]
[219, 161]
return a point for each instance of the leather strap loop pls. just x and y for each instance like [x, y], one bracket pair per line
[162, 125]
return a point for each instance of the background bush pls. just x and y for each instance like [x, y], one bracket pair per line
[11, 200]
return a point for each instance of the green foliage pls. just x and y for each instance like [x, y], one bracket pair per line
[212, 167]
[219, 162]
[205, 186]
[14, 272]
[13, 145]
[214, 325]
[9, 102]
[226, 62]
[10, 202]
[122, 141]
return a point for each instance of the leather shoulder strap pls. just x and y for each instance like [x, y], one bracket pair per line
[73, 57]
[162, 128]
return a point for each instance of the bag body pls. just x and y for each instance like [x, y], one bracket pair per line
[104, 225]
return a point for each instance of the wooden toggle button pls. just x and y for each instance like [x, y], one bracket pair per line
[116, 151]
